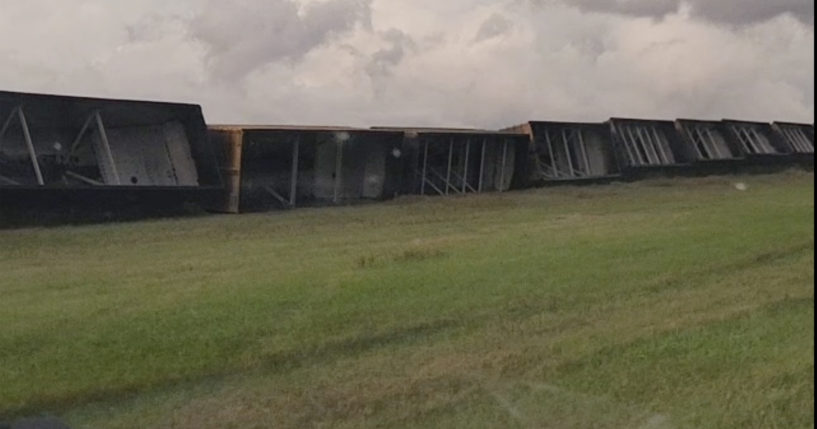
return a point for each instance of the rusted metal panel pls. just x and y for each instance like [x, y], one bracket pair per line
[282, 167]
[62, 144]
[228, 146]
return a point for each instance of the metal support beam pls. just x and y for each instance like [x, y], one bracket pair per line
[465, 166]
[639, 140]
[755, 144]
[714, 144]
[450, 158]
[808, 145]
[567, 153]
[655, 144]
[103, 136]
[704, 151]
[550, 152]
[746, 146]
[270, 190]
[587, 167]
[790, 136]
[433, 186]
[799, 136]
[82, 178]
[649, 146]
[504, 160]
[695, 136]
[293, 184]
[482, 165]
[106, 161]
[627, 148]
[439, 175]
[7, 124]
[32, 153]
[467, 186]
[767, 148]
[9, 181]
[82, 130]
[634, 144]
[425, 167]
[795, 144]
[338, 170]
[668, 157]
[793, 139]
[737, 133]
[799, 140]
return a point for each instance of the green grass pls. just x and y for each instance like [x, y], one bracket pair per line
[661, 304]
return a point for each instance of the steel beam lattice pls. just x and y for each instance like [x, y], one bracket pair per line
[32, 153]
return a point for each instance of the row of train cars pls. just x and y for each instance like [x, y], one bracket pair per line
[61, 155]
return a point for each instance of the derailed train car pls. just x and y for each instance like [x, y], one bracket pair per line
[800, 139]
[283, 167]
[647, 147]
[713, 148]
[759, 142]
[569, 152]
[631, 149]
[453, 161]
[730, 145]
[64, 153]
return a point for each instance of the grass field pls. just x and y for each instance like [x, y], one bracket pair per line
[660, 304]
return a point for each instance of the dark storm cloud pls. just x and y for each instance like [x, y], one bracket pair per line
[654, 8]
[738, 12]
[751, 11]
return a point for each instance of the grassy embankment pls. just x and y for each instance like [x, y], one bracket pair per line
[682, 303]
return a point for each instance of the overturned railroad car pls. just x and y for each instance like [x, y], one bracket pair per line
[647, 146]
[446, 161]
[64, 153]
[283, 167]
[710, 142]
[759, 142]
[569, 152]
[799, 138]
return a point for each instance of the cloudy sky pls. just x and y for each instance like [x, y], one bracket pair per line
[482, 63]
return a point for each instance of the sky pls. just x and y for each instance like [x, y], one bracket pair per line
[455, 63]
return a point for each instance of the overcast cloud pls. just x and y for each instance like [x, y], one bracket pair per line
[484, 63]
[738, 12]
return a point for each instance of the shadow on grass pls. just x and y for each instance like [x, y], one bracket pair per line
[11, 219]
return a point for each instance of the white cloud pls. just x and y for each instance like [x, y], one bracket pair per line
[420, 62]
[243, 36]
